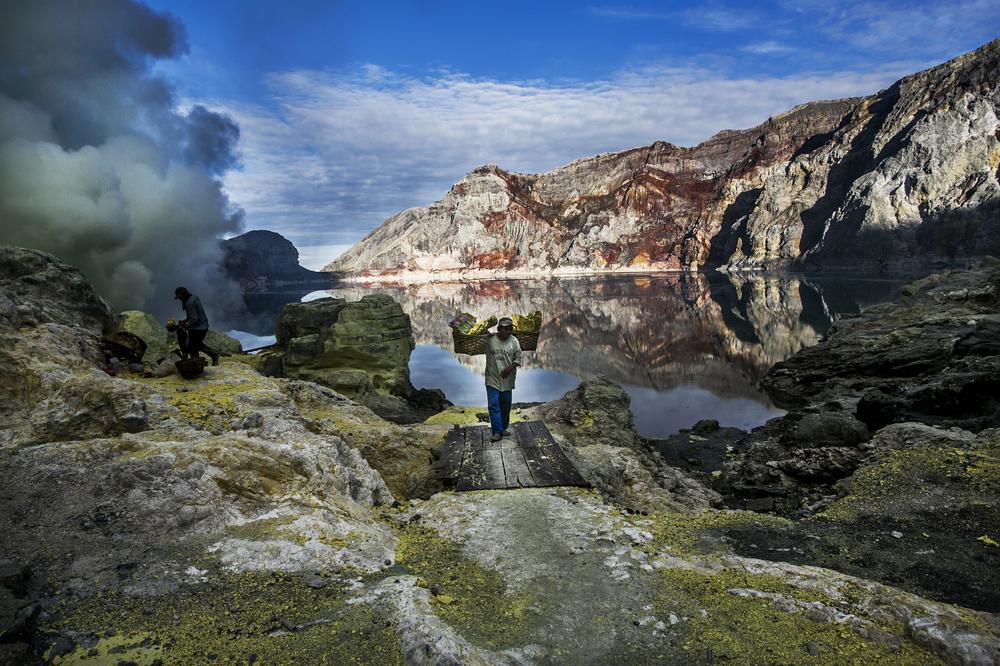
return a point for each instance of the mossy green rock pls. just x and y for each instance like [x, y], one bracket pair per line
[361, 349]
[219, 341]
[326, 338]
[152, 331]
[159, 341]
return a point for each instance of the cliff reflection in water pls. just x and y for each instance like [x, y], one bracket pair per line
[686, 346]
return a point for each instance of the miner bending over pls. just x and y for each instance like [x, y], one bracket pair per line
[193, 329]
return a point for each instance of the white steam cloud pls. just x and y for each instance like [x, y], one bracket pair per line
[97, 165]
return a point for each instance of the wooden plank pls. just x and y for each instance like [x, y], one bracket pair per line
[571, 475]
[511, 441]
[529, 457]
[522, 433]
[494, 477]
[482, 470]
[515, 467]
[535, 458]
[561, 465]
[478, 437]
[482, 463]
[472, 466]
[449, 464]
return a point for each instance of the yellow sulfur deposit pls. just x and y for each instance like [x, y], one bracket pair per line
[483, 325]
[529, 322]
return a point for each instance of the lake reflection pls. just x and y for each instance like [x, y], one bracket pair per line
[685, 346]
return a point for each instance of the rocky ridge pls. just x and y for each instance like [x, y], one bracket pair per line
[238, 516]
[264, 260]
[907, 174]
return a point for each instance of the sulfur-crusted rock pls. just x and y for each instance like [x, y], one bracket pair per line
[36, 288]
[657, 589]
[50, 348]
[913, 513]
[152, 331]
[158, 465]
[222, 342]
[401, 454]
[247, 518]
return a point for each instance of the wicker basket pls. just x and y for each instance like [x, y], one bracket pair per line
[126, 346]
[476, 344]
[528, 339]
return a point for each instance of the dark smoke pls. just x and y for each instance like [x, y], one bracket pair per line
[97, 164]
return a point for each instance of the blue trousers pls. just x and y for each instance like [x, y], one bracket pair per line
[498, 403]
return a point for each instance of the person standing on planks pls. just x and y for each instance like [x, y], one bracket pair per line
[503, 357]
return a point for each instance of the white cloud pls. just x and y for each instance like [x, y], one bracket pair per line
[933, 29]
[717, 18]
[626, 13]
[315, 257]
[714, 17]
[769, 48]
[340, 152]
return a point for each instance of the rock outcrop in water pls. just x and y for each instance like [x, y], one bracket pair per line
[360, 349]
[238, 517]
[931, 358]
[909, 173]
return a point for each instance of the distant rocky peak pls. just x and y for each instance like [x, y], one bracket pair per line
[262, 259]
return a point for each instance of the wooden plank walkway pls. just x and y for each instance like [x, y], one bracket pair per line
[528, 457]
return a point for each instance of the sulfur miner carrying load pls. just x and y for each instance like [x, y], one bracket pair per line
[503, 357]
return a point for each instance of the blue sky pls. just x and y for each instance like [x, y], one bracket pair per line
[350, 112]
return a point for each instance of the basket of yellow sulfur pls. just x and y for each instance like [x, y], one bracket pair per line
[472, 337]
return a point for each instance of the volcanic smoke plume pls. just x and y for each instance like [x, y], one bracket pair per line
[97, 164]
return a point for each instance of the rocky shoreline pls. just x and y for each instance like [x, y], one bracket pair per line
[241, 517]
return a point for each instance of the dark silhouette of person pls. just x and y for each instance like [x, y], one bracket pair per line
[193, 329]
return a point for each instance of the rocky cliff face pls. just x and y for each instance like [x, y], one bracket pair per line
[265, 260]
[911, 171]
